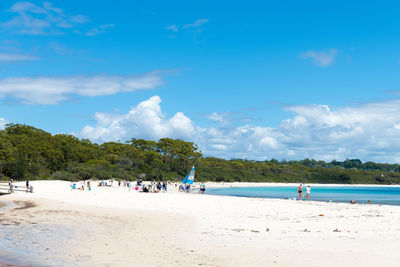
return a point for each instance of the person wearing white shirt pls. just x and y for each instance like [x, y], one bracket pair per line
[308, 192]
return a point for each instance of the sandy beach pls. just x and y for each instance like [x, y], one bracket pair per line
[55, 226]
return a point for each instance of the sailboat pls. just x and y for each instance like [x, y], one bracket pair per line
[189, 178]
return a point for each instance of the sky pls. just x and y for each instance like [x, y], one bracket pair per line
[242, 79]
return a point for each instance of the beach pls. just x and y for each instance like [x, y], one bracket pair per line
[57, 226]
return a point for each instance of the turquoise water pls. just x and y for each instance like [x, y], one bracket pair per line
[377, 195]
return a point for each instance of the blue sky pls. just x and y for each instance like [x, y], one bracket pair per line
[251, 79]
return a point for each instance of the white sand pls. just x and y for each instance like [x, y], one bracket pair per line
[117, 227]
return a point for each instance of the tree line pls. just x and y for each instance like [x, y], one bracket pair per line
[30, 153]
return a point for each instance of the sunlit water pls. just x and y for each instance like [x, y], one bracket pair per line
[377, 195]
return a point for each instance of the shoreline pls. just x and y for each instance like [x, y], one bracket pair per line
[224, 190]
[118, 227]
[22, 183]
[266, 184]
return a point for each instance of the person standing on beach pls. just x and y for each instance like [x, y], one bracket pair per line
[300, 191]
[10, 183]
[202, 188]
[308, 192]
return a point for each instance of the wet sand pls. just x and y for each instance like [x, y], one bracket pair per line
[10, 259]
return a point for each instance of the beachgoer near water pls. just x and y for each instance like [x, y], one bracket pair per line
[202, 188]
[300, 190]
[308, 192]
[27, 185]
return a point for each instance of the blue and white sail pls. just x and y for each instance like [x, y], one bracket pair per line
[189, 178]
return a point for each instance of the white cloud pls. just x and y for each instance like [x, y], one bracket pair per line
[369, 131]
[52, 90]
[320, 58]
[172, 27]
[143, 121]
[195, 28]
[39, 20]
[3, 123]
[196, 24]
[25, 7]
[99, 30]
[223, 118]
[16, 57]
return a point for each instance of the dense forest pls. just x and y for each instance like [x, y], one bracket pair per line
[30, 153]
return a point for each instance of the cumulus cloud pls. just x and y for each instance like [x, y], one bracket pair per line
[320, 58]
[52, 90]
[369, 131]
[16, 57]
[42, 19]
[146, 120]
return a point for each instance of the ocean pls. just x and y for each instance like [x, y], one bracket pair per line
[361, 194]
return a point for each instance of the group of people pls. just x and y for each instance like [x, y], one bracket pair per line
[83, 185]
[300, 192]
[184, 188]
[29, 188]
[153, 187]
[140, 186]
[187, 187]
[308, 193]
